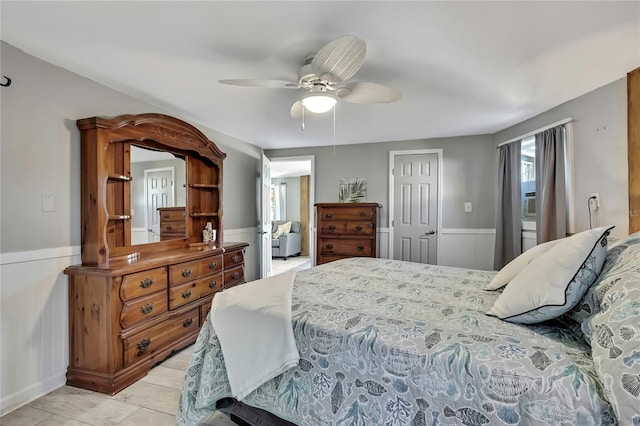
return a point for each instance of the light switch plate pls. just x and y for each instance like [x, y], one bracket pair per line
[467, 207]
[47, 203]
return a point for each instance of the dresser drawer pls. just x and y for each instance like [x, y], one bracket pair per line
[350, 213]
[233, 276]
[360, 228]
[333, 228]
[169, 228]
[233, 258]
[143, 283]
[211, 284]
[143, 308]
[351, 247]
[330, 258]
[183, 294]
[183, 272]
[172, 215]
[210, 265]
[144, 344]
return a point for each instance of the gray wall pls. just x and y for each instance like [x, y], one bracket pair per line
[469, 174]
[40, 153]
[599, 152]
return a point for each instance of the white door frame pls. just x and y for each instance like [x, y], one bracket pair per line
[312, 198]
[392, 155]
[173, 187]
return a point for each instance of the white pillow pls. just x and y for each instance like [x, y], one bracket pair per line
[284, 228]
[511, 269]
[555, 281]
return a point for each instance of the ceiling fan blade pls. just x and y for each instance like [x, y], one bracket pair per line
[340, 59]
[361, 92]
[296, 110]
[269, 84]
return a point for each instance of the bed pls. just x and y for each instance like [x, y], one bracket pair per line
[395, 343]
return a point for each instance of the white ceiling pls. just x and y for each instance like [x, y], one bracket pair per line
[463, 67]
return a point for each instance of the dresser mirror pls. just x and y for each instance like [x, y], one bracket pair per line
[158, 181]
[111, 206]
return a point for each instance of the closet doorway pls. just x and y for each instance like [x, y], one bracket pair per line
[415, 194]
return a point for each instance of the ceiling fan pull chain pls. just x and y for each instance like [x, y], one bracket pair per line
[303, 118]
[334, 130]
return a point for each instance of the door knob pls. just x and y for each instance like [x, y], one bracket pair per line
[430, 232]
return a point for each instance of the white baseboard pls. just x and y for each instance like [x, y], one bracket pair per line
[31, 393]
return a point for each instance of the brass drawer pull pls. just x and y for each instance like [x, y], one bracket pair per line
[186, 323]
[166, 216]
[186, 294]
[145, 309]
[168, 227]
[328, 215]
[235, 275]
[362, 214]
[358, 228]
[235, 258]
[332, 228]
[186, 272]
[329, 246]
[213, 284]
[361, 248]
[146, 283]
[143, 345]
[213, 265]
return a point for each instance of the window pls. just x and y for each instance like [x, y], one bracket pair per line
[278, 201]
[528, 177]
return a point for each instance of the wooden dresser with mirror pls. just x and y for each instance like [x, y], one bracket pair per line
[133, 301]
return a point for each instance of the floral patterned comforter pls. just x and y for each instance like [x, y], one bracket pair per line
[385, 342]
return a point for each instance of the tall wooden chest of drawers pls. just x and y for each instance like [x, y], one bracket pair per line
[345, 230]
[173, 223]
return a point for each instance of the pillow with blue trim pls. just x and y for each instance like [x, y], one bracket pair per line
[554, 282]
[513, 268]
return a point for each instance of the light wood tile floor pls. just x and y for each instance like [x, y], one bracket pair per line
[279, 265]
[152, 401]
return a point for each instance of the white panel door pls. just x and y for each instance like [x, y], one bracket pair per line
[160, 193]
[415, 186]
[264, 226]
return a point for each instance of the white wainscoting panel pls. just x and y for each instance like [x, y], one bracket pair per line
[467, 248]
[34, 341]
[382, 248]
[249, 236]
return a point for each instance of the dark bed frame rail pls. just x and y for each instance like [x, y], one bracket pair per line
[245, 415]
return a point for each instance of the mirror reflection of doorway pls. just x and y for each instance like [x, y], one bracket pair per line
[160, 190]
[143, 161]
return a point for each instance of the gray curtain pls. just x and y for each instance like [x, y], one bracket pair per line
[551, 205]
[509, 217]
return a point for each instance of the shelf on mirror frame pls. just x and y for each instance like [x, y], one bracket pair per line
[203, 185]
[119, 216]
[116, 176]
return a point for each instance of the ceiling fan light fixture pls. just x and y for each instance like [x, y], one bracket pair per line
[318, 102]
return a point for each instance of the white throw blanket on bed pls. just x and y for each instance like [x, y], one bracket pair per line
[253, 323]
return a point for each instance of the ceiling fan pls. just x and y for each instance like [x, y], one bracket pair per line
[324, 78]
